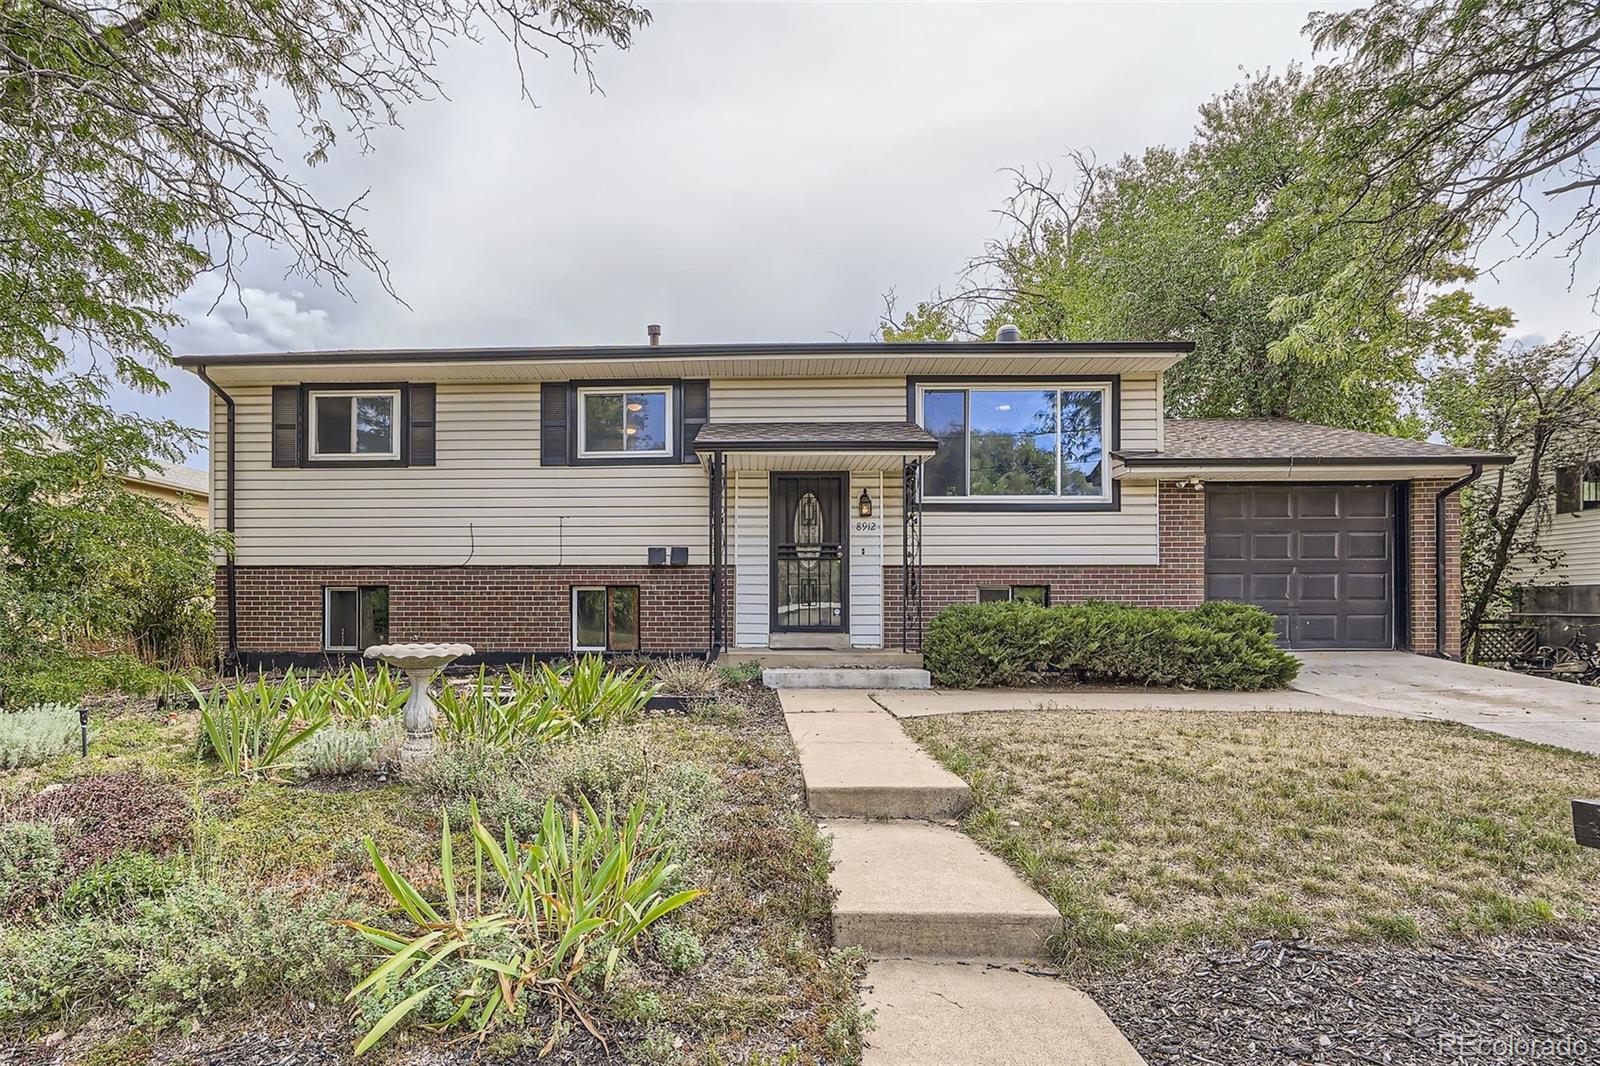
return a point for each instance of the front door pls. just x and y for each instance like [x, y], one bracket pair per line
[808, 553]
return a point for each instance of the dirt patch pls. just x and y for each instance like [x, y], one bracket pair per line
[1510, 1000]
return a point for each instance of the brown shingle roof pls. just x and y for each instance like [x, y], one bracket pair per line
[792, 436]
[1279, 440]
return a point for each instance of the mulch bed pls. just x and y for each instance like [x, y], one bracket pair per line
[1510, 1000]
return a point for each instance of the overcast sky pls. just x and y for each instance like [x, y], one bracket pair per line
[753, 172]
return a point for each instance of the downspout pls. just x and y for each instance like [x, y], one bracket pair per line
[232, 657]
[1440, 557]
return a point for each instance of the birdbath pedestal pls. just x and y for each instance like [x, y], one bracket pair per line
[420, 662]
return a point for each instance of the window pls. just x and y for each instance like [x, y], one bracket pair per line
[355, 425]
[1039, 594]
[355, 618]
[605, 618]
[1577, 488]
[625, 423]
[1017, 442]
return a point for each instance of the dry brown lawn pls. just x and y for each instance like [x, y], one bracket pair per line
[1158, 829]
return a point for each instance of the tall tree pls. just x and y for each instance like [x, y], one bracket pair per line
[1439, 125]
[1541, 404]
[1153, 247]
[137, 151]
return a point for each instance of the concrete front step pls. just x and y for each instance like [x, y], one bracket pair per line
[861, 764]
[844, 677]
[911, 888]
[932, 1013]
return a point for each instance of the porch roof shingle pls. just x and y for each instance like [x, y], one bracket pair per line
[799, 436]
[1280, 440]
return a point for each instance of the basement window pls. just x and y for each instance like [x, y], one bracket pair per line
[355, 617]
[1039, 594]
[605, 618]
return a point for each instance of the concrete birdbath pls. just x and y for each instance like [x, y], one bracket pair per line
[420, 662]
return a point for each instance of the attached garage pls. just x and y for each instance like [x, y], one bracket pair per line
[1321, 557]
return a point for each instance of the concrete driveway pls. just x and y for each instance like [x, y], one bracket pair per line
[1417, 686]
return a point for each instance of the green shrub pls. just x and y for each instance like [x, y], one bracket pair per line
[197, 950]
[687, 677]
[1217, 646]
[588, 691]
[340, 749]
[30, 861]
[252, 728]
[126, 876]
[580, 889]
[30, 736]
[745, 673]
[545, 704]
[679, 948]
[60, 678]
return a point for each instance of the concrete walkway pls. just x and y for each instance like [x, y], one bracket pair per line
[919, 896]
[1390, 684]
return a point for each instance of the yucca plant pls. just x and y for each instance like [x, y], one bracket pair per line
[589, 692]
[252, 728]
[365, 695]
[587, 883]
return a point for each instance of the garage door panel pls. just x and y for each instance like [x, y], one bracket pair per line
[1366, 503]
[1311, 503]
[1271, 546]
[1368, 545]
[1318, 557]
[1222, 546]
[1270, 503]
[1319, 545]
[1268, 588]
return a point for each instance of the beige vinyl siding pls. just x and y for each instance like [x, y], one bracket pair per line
[808, 400]
[1577, 538]
[750, 533]
[1141, 411]
[486, 502]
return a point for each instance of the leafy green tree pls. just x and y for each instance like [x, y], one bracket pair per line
[1153, 248]
[1439, 125]
[137, 151]
[1541, 404]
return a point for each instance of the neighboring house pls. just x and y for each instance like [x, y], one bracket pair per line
[1560, 593]
[679, 499]
[182, 486]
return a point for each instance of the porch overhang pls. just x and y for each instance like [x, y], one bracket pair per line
[853, 446]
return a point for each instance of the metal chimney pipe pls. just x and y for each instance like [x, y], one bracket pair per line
[654, 331]
[1008, 333]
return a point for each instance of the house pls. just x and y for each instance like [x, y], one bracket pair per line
[680, 499]
[184, 487]
[1559, 584]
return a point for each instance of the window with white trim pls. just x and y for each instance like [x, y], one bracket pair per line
[1039, 594]
[624, 423]
[605, 618]
[1020, 442]
[354, 617]
[354, 425]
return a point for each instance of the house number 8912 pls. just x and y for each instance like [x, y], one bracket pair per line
[867, 525]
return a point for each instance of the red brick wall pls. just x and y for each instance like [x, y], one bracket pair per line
[1179, 580]
[493, 608]
[1421, 588]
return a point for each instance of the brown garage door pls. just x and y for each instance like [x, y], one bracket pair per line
[1319, 557]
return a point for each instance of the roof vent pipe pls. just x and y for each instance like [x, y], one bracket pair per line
[1008, 333]
[654, 332]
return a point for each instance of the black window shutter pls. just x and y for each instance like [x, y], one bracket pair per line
[286, 425]
[1569, 489]
[553, 424]
[696, 413]
[421, 434]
